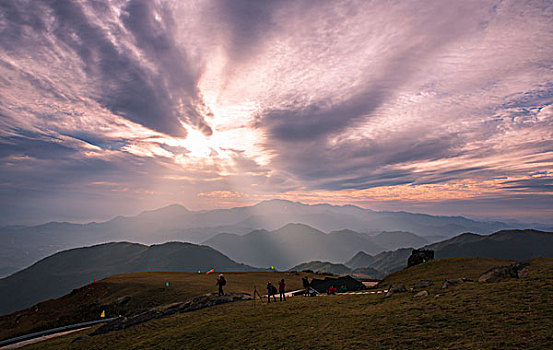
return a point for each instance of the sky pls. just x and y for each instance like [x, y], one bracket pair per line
[111, 107]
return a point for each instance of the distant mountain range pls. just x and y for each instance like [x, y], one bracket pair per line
[58, 274]
[23, 245]
[61, 272]
[296, 243]
[506, 244]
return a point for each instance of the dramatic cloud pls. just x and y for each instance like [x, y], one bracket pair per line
[426, 106]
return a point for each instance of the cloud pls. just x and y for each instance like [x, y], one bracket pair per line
[172, 100]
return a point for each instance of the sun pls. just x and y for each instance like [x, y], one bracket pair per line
[198, 144]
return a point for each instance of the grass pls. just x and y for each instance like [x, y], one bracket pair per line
[509, 314]
[146, 289]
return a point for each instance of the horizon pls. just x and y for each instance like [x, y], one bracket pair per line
[130, 215]
[112, 108]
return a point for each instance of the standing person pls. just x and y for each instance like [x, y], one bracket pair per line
[305, 282]
[270, 291]
[281, 289]
[221, 282]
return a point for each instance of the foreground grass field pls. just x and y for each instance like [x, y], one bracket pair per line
[510, 314]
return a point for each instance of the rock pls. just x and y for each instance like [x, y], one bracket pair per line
[524, 272]
[449, 283]
[122, 300]
[423, 284]
[393, 289]
[196, 303]
[517, 270]
[421, 294]
[419, 256]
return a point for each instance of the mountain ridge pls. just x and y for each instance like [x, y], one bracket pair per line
[63, 271]
[24, 245]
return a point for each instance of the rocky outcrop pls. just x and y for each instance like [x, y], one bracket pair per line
[423, 284]
[197, 303]
[419, 256]
[455, 282]
[517, 270]
[395, 289]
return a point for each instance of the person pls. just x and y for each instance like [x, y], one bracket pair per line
[281, 289]
[305, 282]
[332, 290]
[221, 282]
[270, 291]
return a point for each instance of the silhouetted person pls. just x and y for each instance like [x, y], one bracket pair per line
[305, 282]
[221, 282]
[270, 291]
[281, 289]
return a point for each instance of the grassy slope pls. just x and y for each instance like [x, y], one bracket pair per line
[508, 314]
[147, 289]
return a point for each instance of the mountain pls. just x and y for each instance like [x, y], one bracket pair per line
[338, 269]
[60, 273]
[296, 243]
[322, 266]
[24, 245]
[291, 245]
[505, 244]
[361, 259]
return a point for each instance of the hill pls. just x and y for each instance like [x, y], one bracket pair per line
[24, 245]
[58, 274]
[506, 244]
[291, 245]
[361, 259]
[509, 314]
[324, 267]
[145, 290]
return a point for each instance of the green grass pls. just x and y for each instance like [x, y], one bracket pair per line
[510, 314]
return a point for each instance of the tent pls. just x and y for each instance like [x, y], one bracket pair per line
[342, 283]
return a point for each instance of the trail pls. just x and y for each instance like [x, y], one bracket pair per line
[14, 343]
[39, 339]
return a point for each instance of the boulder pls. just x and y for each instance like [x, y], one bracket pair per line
[419, 256]
[517, 270]
[423, 284]
[421, 294]
[524, 272]
[455, 282]
[395, 289]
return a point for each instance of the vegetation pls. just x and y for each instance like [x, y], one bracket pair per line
[510, 314]
[146, 289]
[58, 274]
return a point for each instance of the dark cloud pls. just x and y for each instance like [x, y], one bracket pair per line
[533, 184]
[247, 24]
[348, 95]
[122, 83]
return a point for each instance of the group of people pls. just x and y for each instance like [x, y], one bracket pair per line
[271, 290]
